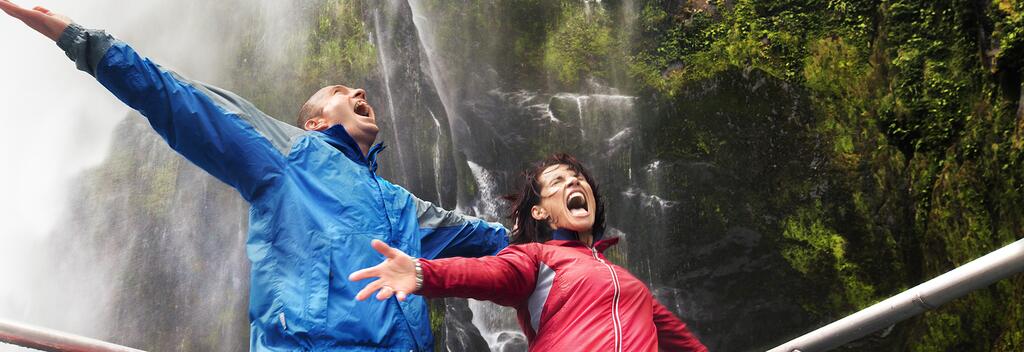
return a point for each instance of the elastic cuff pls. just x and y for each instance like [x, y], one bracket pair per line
[69, 35]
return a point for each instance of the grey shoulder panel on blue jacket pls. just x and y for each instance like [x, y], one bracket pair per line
[445, 233]
[86, 47]
[432, 216]
[279, 134]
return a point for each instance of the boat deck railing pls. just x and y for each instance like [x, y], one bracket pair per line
[44, 339]
[977, 274]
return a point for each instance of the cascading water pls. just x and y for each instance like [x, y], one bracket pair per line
[437, 157]
[383, 58]
[497, 324]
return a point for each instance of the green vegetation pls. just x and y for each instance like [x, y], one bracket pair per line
[817, 251]
[338, 49]
[918, 102]
[278, 76]
[580, 47]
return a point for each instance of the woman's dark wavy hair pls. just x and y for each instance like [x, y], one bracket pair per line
[525, 229]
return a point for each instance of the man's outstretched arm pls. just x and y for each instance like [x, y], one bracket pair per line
[218, 131]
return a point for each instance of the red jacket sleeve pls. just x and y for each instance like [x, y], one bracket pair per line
[672, 332]
[507, 278]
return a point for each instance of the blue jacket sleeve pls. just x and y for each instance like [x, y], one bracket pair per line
[213, 128]
[444, 233]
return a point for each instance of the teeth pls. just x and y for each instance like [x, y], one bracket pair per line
[576, 201]
[362, 108]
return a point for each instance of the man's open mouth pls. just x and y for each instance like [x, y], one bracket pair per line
[577, 204]
[363, 108]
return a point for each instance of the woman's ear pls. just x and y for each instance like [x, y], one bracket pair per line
[538, 213]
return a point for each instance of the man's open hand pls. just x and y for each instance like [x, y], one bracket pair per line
[42, 20]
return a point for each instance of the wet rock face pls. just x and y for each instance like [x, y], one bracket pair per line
[154, 249]
[511, 342]
[459, 331]
[727, 160]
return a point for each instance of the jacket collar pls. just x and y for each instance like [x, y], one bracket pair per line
[567, 238]
[340, 139]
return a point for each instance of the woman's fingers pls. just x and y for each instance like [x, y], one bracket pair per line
[385, 293]
[369, 289]
[361, 274]
[393, 275]
[384, 249]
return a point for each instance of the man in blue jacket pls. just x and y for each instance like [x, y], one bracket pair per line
[316, 201]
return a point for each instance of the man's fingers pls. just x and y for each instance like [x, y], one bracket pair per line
[9, 7]
[13, 9]
[41, 19]
[401, 295]
[369, 289]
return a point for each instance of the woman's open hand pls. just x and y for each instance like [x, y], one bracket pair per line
[396, 275]
[44, 21]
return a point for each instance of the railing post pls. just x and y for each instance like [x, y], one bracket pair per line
[958, 282]
[44, 339]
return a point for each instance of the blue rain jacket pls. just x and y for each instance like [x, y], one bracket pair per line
[316, 202]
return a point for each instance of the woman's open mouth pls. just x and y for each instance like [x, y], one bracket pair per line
[576, 203]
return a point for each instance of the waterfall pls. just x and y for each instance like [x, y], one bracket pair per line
[437, 157]
[497, 324]
[436, 67]
[389, 95]
[491, 123]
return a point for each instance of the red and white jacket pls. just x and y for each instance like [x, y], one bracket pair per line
[568, 297]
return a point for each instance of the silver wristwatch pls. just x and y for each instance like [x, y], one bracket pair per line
[419, 275]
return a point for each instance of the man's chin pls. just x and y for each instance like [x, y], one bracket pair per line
[372, 130]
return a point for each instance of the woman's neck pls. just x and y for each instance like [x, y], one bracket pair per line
[586, 237]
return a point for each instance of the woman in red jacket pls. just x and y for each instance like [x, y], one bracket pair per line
[568, 296]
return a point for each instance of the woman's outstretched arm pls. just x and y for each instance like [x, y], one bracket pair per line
[506, 279]
[673, 335]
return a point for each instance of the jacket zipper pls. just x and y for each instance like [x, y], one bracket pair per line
[616, 322]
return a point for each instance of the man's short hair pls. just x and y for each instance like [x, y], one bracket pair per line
[309, 110]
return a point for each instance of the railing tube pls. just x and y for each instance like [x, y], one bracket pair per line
[44, 339]
[974, 275]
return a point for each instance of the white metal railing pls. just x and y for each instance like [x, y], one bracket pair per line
[44, 339]
[977, 274]
[958, 282]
